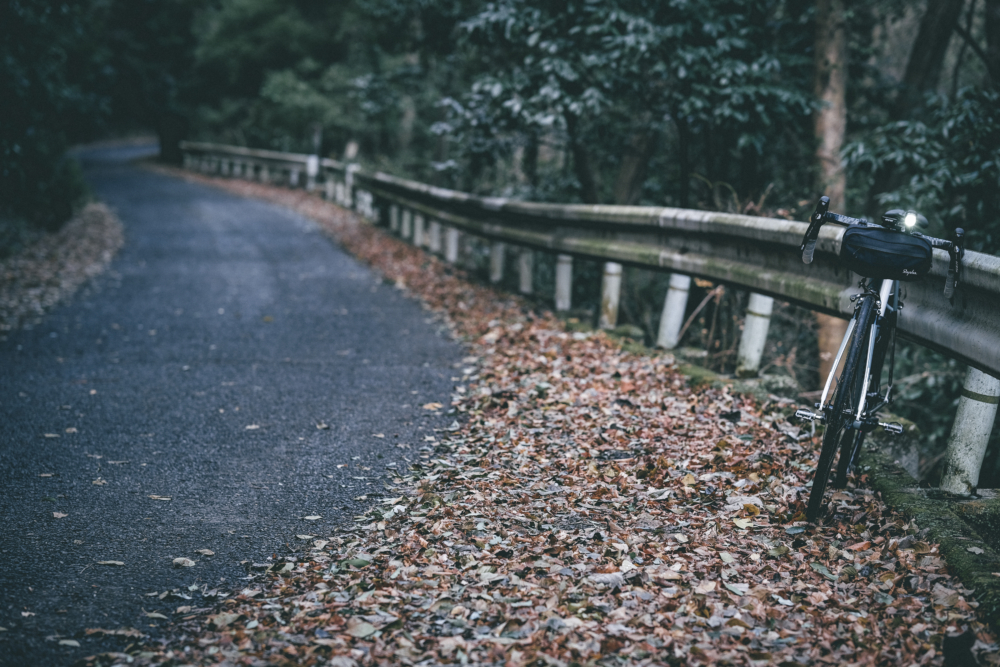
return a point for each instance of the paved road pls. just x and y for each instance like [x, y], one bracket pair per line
[197, 369]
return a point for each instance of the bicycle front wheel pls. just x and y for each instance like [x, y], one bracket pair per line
[844, 401]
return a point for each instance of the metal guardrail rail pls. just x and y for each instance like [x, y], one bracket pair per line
[758, 254]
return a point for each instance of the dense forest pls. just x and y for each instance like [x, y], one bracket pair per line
[753, 106]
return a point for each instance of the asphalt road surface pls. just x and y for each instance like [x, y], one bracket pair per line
[233, 360]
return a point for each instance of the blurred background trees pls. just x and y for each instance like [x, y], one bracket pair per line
[753, 106]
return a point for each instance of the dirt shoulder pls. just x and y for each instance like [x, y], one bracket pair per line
[49, 271]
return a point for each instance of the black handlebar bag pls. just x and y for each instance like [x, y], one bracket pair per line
[880, 253]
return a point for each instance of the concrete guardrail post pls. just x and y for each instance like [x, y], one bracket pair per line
[526, 270]
[312, 171]
[434, 234]
[329, 187]
[611, 288]
[564, 283]
[977, 410]
[451, 244]
[293, 177]
[265, 174]
[755, 327]
[674, 307]
[349, 184]
[393, 218]
[406, 223]
[418, 230]
[497, 254]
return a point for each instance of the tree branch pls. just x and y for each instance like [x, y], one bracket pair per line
[964, 34]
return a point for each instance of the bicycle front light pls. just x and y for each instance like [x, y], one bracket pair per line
[910, 220]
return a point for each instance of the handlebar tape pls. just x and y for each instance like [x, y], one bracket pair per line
[807, 251]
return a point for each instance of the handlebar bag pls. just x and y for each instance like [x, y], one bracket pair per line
[880, 253]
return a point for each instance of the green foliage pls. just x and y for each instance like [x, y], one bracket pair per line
[45, 106]
[285, 75]
[948, 165]
[722, 85]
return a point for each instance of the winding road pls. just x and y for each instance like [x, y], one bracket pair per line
[231, 374]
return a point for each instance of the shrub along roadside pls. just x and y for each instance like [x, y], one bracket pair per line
[52, 268]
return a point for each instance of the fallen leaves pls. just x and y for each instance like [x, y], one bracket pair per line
[117, 563]
[183, 562]
[223, 620]
[120, 632]
[35, 279]
[59, 515]
[432, 406]
[704, 587]
[163, 498]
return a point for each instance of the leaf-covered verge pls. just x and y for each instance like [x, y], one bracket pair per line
[587, 507]
[50, 270]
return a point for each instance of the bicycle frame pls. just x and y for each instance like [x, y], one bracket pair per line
[864, 413]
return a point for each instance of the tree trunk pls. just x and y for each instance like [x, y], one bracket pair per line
[531, 160]
[923, 69]
[830, 126]
[632, 168]
[684, 162]
[993, 40]
[830, 121]
[582, 167]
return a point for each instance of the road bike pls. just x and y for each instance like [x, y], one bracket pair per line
[884, 254]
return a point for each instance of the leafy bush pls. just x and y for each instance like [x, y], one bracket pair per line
[44, 108]
[947, 165]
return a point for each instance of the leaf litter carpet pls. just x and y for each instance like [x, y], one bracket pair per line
[587, 507]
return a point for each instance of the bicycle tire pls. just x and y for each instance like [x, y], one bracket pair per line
[849, 448]
[851, 440]
[837, 420]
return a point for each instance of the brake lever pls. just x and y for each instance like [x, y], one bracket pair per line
[957, 252]
[808, 247]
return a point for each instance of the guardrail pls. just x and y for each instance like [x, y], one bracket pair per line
[758, 254]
